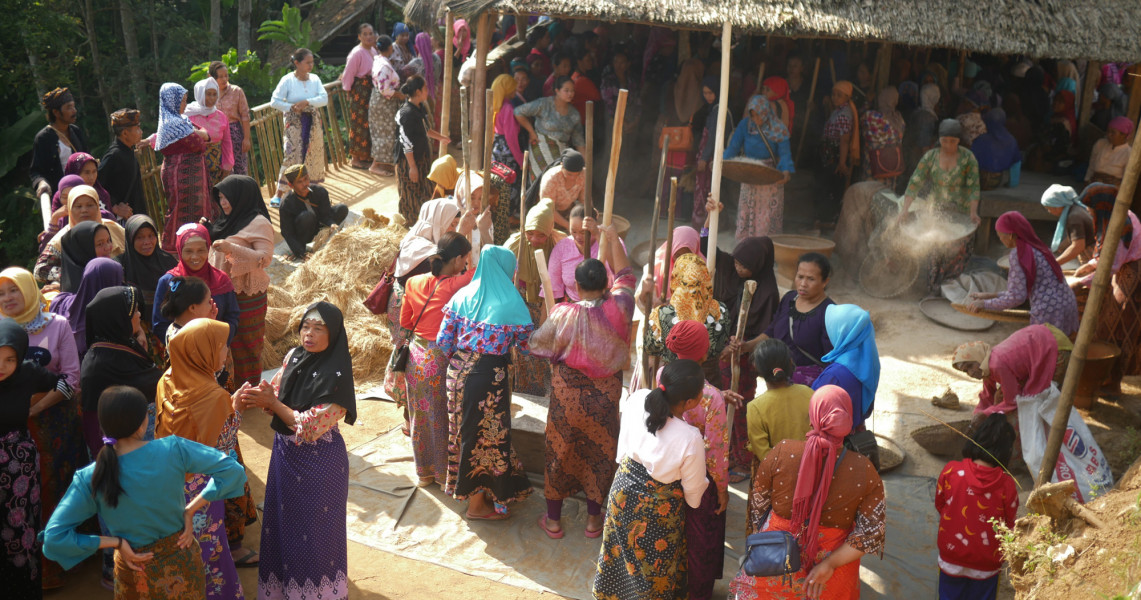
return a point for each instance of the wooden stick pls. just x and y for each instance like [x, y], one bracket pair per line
[761, 78]
[488, 134]
[612, 173]
[662, 177]
[524, 244]
[588, 203]
[832, 68]
[742, 319]
[446, 100]
[669, 258]
[1088, 328]
[479, 84]
[646, 372]
[808, 113]
[465, 144]
[718, 147]
[541, 262]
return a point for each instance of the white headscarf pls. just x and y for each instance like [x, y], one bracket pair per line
[198, 107]
[436, 216]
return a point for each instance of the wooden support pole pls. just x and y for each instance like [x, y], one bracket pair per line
[612, 173]
[719, 146]
[545, 275]
[742, 318]
[1133, 87]
[520, 27]
[962, 67]
[465, 145]
[488, 133]
[808, 112]
[524, 244]
[662, 177]
[446, 100]
[669, 258]
[884, 65]
[479, 84]
[1101, 279]
[1093, 74]
[647, 372]
[588, 187]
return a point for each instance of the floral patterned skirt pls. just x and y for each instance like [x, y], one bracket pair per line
[581, 435]
[238, 139]
[20, 503]
[360, 142]
[426, 379]
[173, 574]
[303, 143]
[210, 529]
[843, 585]
[413, 194]
[480, 454]
[643, 552]
[382, 127]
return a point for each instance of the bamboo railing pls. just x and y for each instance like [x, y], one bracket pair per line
[267, 131]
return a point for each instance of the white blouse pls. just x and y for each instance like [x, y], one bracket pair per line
[675, 452]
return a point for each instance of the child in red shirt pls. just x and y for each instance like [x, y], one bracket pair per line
[969, 494]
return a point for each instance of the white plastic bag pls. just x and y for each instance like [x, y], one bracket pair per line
[1080, 458]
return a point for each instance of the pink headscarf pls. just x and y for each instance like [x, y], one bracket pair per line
[684, 237]
[462, 36]
[1026, 242]
[830, 413]
[1122, 124]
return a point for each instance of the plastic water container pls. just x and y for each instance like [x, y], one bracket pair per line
[1015, 174]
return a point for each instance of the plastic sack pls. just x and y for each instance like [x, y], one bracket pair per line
[1080, 458]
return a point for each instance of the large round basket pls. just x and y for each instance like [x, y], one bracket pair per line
[751, 172]
[941, 440]
[891, 453]
[788, 248]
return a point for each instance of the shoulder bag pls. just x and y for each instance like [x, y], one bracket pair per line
[886, 162]
[680, 138]
[400, 358]
[377, 300]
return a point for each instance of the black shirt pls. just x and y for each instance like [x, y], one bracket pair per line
[292, 205]
[45, 155]
[119, 175]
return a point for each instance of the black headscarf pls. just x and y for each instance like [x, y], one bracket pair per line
[77, 248]
[113, 356]
[570, 160]
[29, 378]
[245, 200]
[144, 271]
[314, 378]
[756, 254]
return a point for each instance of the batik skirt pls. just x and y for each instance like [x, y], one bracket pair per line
[480, 455]
[304, 143]
[705, 544]
[413, 194]
[360, 141]
[760, 210]
[247, 344]
[238, 139]
[844, 584]
[427, 381]
[58, 433]
[240, 511]
[20, 567]
[643, 552]
[184, 180]
[304, 538]
[210, 528]
[173, 574]
[544, 151]
[214, 163]
[533, 373]
[582, 434]
[383, 129]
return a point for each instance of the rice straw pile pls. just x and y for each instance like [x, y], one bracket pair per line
[342, 272]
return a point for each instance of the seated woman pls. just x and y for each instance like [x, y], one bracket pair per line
[691, 299]
[996, 151]
[781, 413]
[1034, 274]
[854, 362]
[305, 210]
[1109, 155]
[799, 318]
[82, 207]
[1074, 222]
[838, 493]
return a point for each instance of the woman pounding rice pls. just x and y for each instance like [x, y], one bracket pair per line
[691, 299]
[533, 375]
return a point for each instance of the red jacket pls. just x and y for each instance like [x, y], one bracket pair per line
[967, 497]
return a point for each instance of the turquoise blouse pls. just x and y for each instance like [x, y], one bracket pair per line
[754, 147]
[153, 478]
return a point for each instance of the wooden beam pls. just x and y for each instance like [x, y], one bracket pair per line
[612, 171]
[588, 200]
[883, 63]
[478, 85]
[446, 100]
[808, 111]
[1093, 74]
[719, 145]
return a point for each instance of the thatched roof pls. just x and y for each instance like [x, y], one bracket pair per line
[1092, 29]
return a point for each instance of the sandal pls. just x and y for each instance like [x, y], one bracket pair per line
[554, 535]
[491, 516]
[248, 561]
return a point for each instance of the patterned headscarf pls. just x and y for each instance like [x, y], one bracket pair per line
[773, 129]
[461, 37]
[56, 98]
[691, 290]
[125, 117]
[1026, 242]
[779, 87]
[977, 352]
[172, 125]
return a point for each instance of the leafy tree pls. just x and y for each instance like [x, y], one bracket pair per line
[291, 30]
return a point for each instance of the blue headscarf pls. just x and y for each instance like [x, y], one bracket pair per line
[849, 327]
[774, 130]
[1060, 196]
[400, 28]
[491, 297]
[172, 125]
[996, 150]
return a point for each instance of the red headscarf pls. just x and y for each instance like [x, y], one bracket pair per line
[1026, 241]
[688, 340]
[779, 86]
[830, 413]
[217, 279]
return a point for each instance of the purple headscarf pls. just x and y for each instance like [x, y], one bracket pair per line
[424, 51]
[100, 273]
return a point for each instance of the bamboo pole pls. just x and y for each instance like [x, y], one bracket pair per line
[1133, 84]
[1093, 73]
[612, 173]
[1101, 279]
[520, 27]
[742, 320]
[648, 373]
[808, 112]
[524, 244]
[465, 144]
[884, 64]
[662, 177]
[479, 84]
[488, 133]
[446, 100]
[669, 257]
[541, 263]
[588, 186]
[718, 147]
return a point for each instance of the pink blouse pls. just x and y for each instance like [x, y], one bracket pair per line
[217, 124]
[358, 64]
[232, 101]
[56, 337]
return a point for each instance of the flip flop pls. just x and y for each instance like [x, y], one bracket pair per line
[554, 535]
[592, 534]
[250, 561]
[491, 516]
[737, 476]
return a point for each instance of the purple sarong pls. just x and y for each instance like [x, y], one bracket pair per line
[705, 544]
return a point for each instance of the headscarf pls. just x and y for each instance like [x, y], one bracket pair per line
[109, 317]
[13, 336]
[1026, 242]
[198, 108]
[124, 362]
[909, 95]
[977, 352]
[189, 402]
[423, 45]
[689, 340]
[1067, 70]
[829, 413]
[172, 125]
[100, 274]
[436, 216]
[139, 270]
[214, 277]
[569, 160]
[77, 248]
[773, 129]
[445, 173]
[1064, 197]
[56, 98]
[75, 164]
[314, 378]
[853, 338]
[950, 128]
[501, 91]
[684, 237]
[996, 150]
[1122, 124]
[779, 86]
[1067, 112]
[572, 161]
[929, 98]
[65, 183]
[29, 377]
[755, 254]
[398, 29]
[687, 89]
[246, 203]
[540, 217]
[461, 37]
[691, 290]
[886, 102]
[491, 297]
[75, 194]
[854, 142]
[1116, 98]
[35, 306]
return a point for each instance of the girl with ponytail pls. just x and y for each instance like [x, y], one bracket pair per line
[781, 413]
[136, 488]
[661, 463]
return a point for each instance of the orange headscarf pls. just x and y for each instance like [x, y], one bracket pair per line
[854, 143]
[189, 402]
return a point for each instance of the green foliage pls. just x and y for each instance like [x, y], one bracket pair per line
[20, 224]
[255, 77]
[19, 136]
[291, 30]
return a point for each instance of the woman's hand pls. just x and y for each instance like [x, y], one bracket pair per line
[975, 306]
[712, 205]
[261, 397]
[817, 578]
[222, 246]
[467, 223]
[141, 338]
[733, 398]
[532, 138]
[186, 538]
[202, 133]
[722, 500]
[976, 219]
[122, 210]
[247, 144]
[1085, 269]
[785, 179]
[982, 295]
[299, 106]
[134, 561]
[413, 173]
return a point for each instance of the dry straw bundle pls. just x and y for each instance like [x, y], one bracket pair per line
[342, 272]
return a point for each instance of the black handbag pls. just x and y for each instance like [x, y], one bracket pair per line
[400, 358]
[865, 443]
